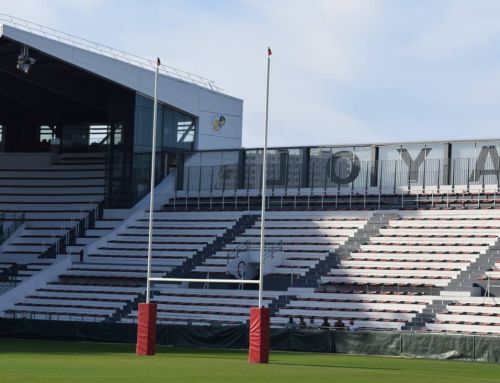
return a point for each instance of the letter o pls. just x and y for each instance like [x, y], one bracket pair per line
[336, 161]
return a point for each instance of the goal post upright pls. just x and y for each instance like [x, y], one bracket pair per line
[146, 321]
[259, 316]
[258, 350]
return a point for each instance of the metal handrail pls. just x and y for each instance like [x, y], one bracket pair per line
[270, 248]
[17, 222]
[234, 253]
[105, 50]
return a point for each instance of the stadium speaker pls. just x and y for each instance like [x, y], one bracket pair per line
[258, 351]
[146, 329]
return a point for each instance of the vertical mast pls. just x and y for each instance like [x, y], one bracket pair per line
[151, 194]
[264, 179]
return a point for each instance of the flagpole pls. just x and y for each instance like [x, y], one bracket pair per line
[264, 186]
[151, 195]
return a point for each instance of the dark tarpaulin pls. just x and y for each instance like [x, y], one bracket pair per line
[431, 346]
[487, 349]
[370, 343]
[46, 329]
[280, 339]
[436, 346]
[163, 335]
[107, 332]
[12, 328]
[310, 340]
[212, 337]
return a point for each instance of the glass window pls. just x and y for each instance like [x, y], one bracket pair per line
[98, 134]
[176, 130]
[46, 133]
[144, 125]
[185, 128]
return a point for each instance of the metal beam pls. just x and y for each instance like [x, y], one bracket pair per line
[201, 280]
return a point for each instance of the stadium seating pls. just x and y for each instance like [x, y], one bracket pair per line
[382, 281]
[469, 315]
[120, 263]
[306, 237]
[176, 237]
[368, 311]
[179, 305]
[421, 248]
[494, 274]
[53, 202]
[83, 302]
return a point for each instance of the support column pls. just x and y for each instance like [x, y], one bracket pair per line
[180, 171]
[242, 159]
[447, 165]
[258, 350]
[306, 157]
[374, 166]
[146, 329]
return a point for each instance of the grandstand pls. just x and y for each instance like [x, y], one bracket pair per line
[399, 237]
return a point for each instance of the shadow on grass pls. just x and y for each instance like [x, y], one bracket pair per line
[50, 347]
[357, 367]
[69, 347]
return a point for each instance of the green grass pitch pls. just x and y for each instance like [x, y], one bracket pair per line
[53, 362]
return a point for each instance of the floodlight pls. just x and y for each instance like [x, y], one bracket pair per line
[24, 60]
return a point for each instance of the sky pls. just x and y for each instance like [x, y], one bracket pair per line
[342, 71]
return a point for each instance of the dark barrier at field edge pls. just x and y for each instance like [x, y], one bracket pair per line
[430, 346]
[371, 343]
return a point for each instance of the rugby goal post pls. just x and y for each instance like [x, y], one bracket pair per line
[258, 330]
[259, 316]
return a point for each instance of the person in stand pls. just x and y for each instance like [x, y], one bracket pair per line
[290, 324]
[339, 325]
[325, 325]
[302, 324]
[352, 326]
[311, 325]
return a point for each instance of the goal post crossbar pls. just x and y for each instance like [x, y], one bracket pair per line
[201, 280]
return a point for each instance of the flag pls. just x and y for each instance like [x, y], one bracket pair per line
[269, 51]
[158, 62]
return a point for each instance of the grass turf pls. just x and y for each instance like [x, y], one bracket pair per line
[53, 362]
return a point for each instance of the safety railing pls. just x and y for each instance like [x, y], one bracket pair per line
[329, 200]
[59, 243]
[270, 249]
[386, 176]
[16, 219]
[20, 314]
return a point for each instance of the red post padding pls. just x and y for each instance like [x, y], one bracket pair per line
[258, 351]
[146, 329]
